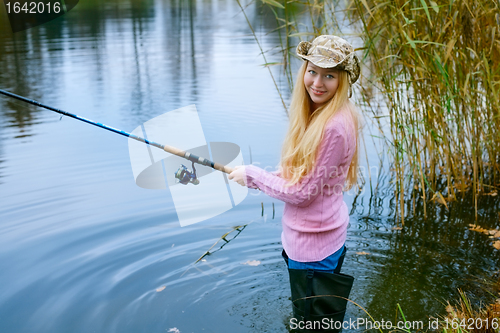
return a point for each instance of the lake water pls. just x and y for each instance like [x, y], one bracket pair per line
[84, 249]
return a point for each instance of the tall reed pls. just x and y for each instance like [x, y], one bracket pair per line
[436, 64]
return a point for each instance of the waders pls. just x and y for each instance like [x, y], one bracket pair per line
[319, 299]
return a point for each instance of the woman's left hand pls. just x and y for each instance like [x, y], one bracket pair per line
[238, 175]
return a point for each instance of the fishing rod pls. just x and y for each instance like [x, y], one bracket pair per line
[184, 175]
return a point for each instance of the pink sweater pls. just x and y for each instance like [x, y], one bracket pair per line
[315, 216]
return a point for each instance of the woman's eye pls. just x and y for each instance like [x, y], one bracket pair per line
[312, 72]
[329, 76]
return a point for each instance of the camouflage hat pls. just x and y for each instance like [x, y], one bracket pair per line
[327, 51]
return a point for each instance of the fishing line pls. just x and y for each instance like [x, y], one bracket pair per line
[183, 174]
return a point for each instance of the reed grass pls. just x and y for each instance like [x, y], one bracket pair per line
[436, 66]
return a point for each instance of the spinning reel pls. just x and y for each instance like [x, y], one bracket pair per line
[185, 176]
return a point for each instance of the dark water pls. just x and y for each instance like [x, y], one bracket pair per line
[83, 249]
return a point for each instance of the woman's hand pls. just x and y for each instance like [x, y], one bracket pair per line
[238, 175]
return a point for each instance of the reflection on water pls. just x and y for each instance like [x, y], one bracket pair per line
[81, 244]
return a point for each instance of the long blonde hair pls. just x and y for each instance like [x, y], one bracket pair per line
[306, 129]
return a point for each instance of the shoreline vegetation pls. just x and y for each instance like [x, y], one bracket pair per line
[433, 65]
[431, 83]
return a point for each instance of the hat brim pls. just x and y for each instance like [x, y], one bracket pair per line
[324, 62]
[321, 56]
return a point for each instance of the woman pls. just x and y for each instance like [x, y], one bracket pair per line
[319, 157]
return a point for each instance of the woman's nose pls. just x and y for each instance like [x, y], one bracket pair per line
[318, 82]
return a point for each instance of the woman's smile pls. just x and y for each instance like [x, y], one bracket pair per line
[317, 92]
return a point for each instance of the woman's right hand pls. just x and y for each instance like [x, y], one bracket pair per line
[238, 175]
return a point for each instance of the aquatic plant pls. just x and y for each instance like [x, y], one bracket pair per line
[435, 65]
[434, 62]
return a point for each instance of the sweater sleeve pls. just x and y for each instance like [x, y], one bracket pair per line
[332, 152]
[251, 184]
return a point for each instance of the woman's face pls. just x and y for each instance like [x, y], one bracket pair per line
[321, 83]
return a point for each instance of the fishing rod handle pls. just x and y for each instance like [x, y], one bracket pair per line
[223, 168]
[197, 159]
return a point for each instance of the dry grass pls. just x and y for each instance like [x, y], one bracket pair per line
[464, 318]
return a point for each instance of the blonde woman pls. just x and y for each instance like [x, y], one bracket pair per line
[319, 158]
